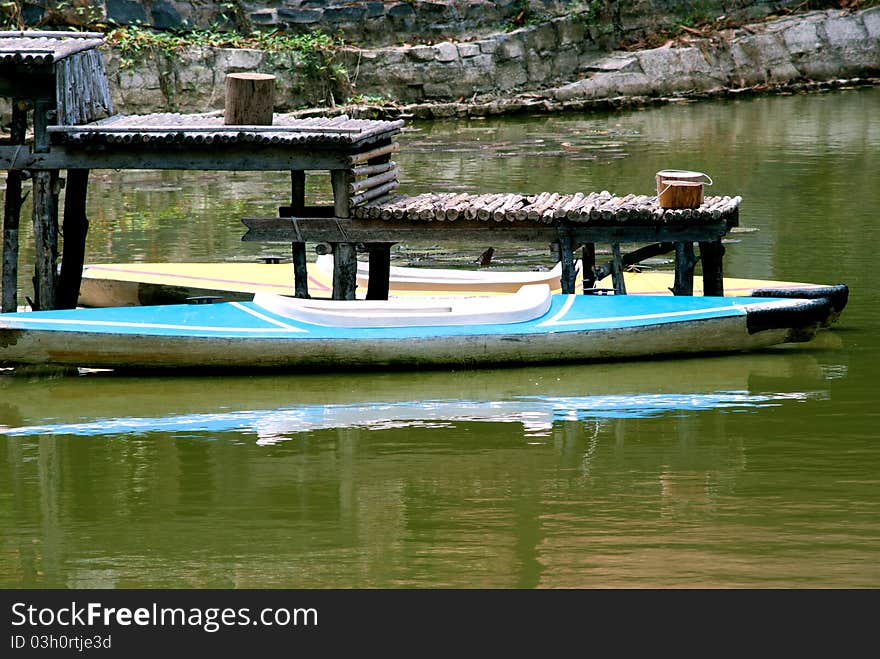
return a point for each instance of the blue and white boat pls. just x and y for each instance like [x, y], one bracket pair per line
[289, 334]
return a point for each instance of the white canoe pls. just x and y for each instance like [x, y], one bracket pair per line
[288, 334]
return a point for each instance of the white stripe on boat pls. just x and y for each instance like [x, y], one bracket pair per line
[647, 316]
[266, 318]
[564, 310]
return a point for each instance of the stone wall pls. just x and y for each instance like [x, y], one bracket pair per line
[376, 23]
[561, 60]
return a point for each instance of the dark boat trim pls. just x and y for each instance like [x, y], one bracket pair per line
[807, 314]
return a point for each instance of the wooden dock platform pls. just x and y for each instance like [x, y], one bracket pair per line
[565, 222]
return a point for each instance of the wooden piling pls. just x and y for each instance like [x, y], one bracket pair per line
[566, 257]
[300, 273]
[341, 179]
[685, 262]
[344, 271]
[617, 270]
[45, 221]
[712, 257]
[75, 228]
[588, 263]
[12, 213]
[379, 285]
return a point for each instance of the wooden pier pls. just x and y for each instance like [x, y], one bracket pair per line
[566, 222]
[60, 79]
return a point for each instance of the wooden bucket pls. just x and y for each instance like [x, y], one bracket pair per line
[680, 194]
[680, 188]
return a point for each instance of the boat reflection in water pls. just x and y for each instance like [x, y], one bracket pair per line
[279, 408]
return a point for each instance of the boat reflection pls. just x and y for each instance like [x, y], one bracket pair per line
[278, 408]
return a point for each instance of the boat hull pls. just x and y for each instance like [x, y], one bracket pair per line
[245, 336]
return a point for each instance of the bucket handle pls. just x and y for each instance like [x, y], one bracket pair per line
[708, 180]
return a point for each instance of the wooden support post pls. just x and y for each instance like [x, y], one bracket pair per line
[75, 228]
[566, 257]
[379, 284]
[297, 191]
[588, 262]
[45, 219]
[300, 271]
[617, 270]
[712, 256]
[340, 179]
[12, 213]
[43, 117]
[344, 271]
[685, 261]
[250, 99]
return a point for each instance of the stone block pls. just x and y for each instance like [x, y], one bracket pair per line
[300, 16]
[466, 50]
[446, 52]
[375, 9]
[871, 21]
[164, 16]
[344, 14]
[264, 17]
[802, 38]
[126, 12]
[400, 11]
[542, 39]
[510, 48]
[421, 53]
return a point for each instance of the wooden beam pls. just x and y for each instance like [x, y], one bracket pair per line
[207, 157]
[317, 229]
[75, 228]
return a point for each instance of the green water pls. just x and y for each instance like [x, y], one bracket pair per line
[758, 470]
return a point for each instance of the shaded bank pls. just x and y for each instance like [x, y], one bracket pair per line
[547, 67]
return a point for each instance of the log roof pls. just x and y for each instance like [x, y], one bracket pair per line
[208, 128]
[596, 208]
[31, 47]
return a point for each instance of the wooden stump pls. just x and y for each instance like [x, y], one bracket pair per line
[250, 99]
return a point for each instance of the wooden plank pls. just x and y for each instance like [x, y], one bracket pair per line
[75, 228]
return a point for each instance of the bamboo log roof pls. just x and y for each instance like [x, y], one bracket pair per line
[208, 128]
[596, 208]
[31, 47]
